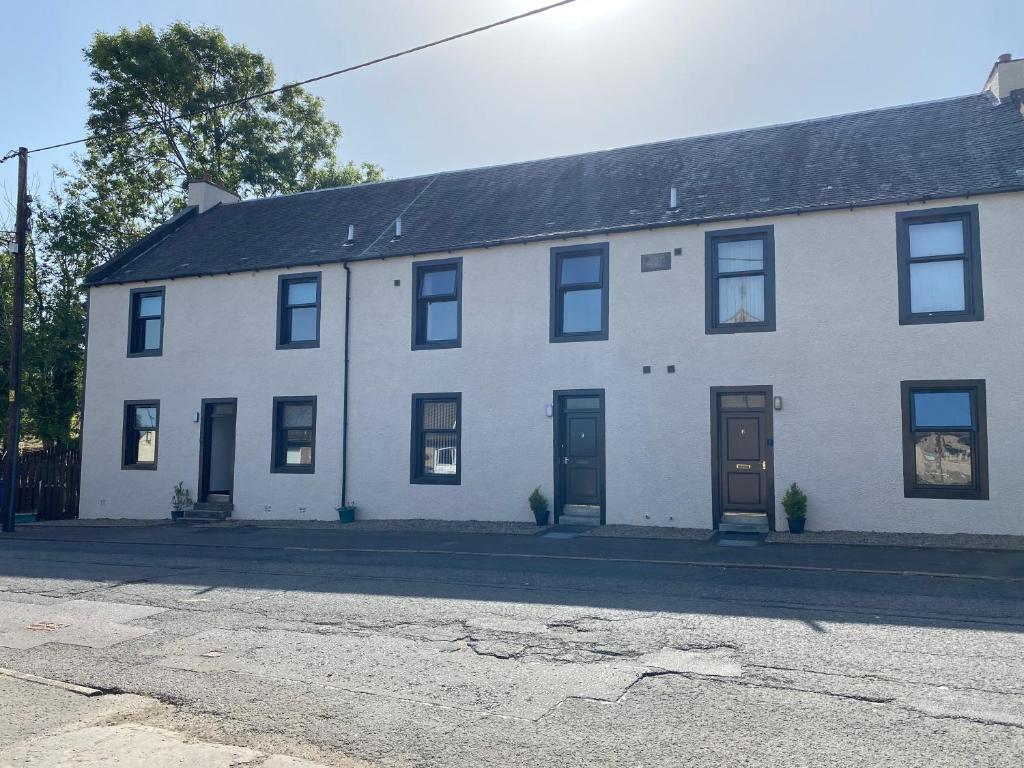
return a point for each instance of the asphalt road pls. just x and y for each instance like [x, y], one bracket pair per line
[486, 650]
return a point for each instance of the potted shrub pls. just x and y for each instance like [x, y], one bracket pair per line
[347, 513]
[539, 506]
[181, 502]
[795, 504]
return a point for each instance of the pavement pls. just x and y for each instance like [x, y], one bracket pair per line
[341, 647]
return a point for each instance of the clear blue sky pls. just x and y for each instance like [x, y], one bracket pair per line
[595, 74]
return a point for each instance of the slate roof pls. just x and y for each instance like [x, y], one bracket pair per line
[949, 148]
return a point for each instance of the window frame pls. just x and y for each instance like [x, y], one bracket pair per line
[135, 297]
[277, 465]
[979, 448]
[558, 254]
[283, 315]
[416, 474]
[974, 306]
[766, 234]
[419, 319]
[128, 408]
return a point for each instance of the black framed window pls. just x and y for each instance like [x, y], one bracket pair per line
[298, 311]
[437, 304]
[579, 293]
[146, 326]
[294, 437]
[939, 255]
[740, 280]
[945, 442]
[436, 438]
[140, 433]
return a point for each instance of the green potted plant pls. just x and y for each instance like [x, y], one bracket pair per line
[181, 502]
[347, 513]
[795, 504]
[539, 506]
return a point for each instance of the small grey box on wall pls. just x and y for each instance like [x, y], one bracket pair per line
[652, 262]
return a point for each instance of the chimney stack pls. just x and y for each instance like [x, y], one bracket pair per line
[1007, 76]
[205, 194]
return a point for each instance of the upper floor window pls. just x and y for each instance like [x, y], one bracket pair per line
[437, 304]
[579, 293]
[939, 253]
[141, 422]
[945, 451]
[146, 334]
[294, 434]
[740, 280]
[298, 311]
[436, 438]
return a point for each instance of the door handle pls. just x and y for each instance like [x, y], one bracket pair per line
[565, 459]
[764, 465]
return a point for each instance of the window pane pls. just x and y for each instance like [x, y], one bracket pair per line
[151, 336]
[943, 459]
[438, 283]
[302, 293]
[303, 325]
[942, 409]
[297, 416]
[442, 320]
[298, 435]
[581, 311]
[581, 269]
[145, 417]
[151, 306]
[440, 414]
[742, 401]
[145, 448]
[939, 238]
[937, 286]
[582, 403]
[741, 299]
[440, 456]
[298, 455]
[740, 255]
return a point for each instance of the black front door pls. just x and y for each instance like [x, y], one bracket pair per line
[217, 462]
[579, 449]
[741, 419]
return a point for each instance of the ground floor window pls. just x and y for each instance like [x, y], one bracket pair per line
[436, 438]
[141, 423]
[294, 434]
[945, 451]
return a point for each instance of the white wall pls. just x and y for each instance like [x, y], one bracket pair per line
[219, 341]
[837, 360]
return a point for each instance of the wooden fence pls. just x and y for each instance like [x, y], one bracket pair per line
[48, 482]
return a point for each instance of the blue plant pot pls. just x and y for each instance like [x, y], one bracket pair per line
[796, 524]
[347, 514]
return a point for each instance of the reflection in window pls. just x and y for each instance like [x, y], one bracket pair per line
[140, 435]
[299, 324]
[579, 293]
[437, 285]
[146, 332]
[294, 434]
[436, 438]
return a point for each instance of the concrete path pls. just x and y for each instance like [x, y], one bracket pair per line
[485, 650]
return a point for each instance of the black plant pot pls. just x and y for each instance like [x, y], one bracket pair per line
[796, 524]
[542, 517]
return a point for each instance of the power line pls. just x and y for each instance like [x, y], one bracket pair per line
[290, 86]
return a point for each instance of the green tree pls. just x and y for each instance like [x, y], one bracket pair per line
[167, 85]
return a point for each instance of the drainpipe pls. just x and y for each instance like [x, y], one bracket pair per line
[344, 393]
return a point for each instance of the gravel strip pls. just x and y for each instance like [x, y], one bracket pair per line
[881, 539]
[651, 532]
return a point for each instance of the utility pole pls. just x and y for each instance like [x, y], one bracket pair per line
[17, 332]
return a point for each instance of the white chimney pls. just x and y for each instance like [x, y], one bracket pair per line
[1007, 76]
[205, 194]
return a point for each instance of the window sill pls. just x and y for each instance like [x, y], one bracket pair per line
[968, 494]
[147, 353]
[941, 317]
[300, 345]
[143, 467]
[564, 338]
[740, 328]
[456, 344]
[305, 469]
[437, 480]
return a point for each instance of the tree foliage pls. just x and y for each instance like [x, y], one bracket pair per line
[167, 86]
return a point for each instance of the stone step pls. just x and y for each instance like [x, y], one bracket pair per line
[209, 510]
[584, 522]
[743, 522]
[579, 514]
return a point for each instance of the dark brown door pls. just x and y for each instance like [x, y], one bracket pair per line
[744, 452]
[579, 447]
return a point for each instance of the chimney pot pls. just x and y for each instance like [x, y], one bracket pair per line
[1004, 57]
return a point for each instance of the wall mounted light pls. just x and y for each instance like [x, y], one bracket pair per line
[777, 401]
[549, 410]
[195, 417]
